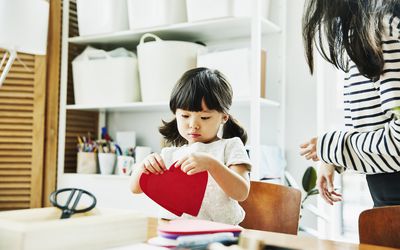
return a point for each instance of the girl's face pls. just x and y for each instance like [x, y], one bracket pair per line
[200, 126]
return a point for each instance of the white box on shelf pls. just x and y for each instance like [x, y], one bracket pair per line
[151, 13]
[102, 78]
[235, 65]
[200, 10]
[101, 16]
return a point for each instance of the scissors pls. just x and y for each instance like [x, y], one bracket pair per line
[68, 211]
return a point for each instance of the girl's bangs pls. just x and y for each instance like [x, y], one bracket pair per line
[191, 96]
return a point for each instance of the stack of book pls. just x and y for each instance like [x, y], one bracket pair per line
[195, 234]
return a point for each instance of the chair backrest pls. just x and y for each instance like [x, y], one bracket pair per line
[272, 207]
[380, 226]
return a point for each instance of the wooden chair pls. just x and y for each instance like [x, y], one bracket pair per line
[272, 207]
[380, 226]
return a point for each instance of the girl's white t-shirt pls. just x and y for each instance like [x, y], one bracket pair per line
[216, 206]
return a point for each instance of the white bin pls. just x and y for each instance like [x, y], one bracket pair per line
[151, 13]
[198, 10]
[103, 78]
[235, 65]
[161, 64]
[101, 16]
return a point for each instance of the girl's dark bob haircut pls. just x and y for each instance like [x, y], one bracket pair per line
[194, 86]
[198, 84]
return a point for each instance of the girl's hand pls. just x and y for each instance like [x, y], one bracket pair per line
[195, 163]
[309, 149]
[153, 163]
[326, 174]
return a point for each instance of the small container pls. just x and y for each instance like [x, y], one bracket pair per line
[86, 163]
[124, 165]
[107, 163]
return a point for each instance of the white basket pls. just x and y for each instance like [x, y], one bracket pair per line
[200, 10]
[100, 79]
[161, 64]
[151, 13]
[101, 16]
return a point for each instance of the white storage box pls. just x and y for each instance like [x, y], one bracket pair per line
[102, 78]
[101, 16]
[42, 228]
[235, 65]
[200, 10]
[151, 13]
[161, 64]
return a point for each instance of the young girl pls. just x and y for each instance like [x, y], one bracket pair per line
[363, 39]
[200, 102]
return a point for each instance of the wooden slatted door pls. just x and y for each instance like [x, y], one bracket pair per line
[22, 109]
[78, 123]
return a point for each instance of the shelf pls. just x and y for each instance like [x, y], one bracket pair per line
[210, 30]
[134, 106]
[96, 176]
[269, 103]
[161, 106]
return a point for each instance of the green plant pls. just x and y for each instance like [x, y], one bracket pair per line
[309, 182]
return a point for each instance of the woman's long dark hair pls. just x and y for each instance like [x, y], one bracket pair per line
[347, 27]
[194, 86]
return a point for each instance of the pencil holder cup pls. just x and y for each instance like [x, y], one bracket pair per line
[124, 165]
[107, 163]
[86, 163]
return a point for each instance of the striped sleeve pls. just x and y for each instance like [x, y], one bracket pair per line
[367, 152]
[390, 79]
[373, 144]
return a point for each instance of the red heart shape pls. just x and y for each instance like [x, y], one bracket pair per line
[176, 191]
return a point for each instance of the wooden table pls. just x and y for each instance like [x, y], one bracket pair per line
[299, 242]
[252, 239]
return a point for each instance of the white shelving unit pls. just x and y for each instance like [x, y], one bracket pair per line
[217, 29]
[263, 118]
[160, 106]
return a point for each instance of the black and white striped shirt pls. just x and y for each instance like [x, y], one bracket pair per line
[372, 143]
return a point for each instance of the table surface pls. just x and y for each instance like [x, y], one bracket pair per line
[250, 239]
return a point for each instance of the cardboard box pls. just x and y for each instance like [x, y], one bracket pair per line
[42, 229]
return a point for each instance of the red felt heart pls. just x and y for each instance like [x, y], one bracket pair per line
[176, 191]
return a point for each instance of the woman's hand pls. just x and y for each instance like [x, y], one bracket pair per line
[326, 174]
[309, 149]
[195, 163]
[153, 163]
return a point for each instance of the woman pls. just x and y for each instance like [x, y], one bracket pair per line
[361, 38]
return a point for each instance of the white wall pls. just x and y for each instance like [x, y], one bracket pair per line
[301, 110]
